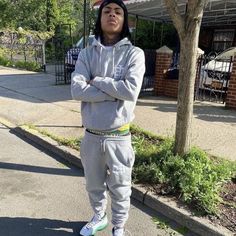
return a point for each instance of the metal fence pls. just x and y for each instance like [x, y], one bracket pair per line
[32, 53]
[64, 60]
[149, 76]
[22, 50]
[213, 76]
[59, 62]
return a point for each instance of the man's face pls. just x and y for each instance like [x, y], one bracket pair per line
[112, 19]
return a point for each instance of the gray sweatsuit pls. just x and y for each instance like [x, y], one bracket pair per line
[108, 82]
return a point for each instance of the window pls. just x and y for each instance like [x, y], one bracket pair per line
[223, 39]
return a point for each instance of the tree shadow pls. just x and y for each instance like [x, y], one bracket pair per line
[39, 169]
[212, 112]
[72, 171]
[34, 88]
[15, 226]
[164, 104]
[217, 113]
[154, 214]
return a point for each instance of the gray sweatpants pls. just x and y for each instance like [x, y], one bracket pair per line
[108, 163]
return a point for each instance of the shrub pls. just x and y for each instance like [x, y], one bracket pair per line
[195, 177]
[31, 66]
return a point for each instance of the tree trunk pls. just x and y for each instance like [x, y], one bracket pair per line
[187, 74]
[188, 27]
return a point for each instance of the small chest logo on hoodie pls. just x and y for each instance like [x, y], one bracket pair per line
[119, 71]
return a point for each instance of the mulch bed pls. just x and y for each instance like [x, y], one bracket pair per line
[227, 210]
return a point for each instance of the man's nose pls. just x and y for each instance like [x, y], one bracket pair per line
[112, 14]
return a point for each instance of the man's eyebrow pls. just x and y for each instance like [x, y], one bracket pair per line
[117, 8]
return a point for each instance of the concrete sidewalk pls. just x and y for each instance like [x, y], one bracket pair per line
[33, 98]
[44, 196]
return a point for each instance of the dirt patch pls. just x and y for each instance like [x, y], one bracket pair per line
[227, 209]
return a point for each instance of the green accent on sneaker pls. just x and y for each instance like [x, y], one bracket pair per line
[96, 224]
[100, 228]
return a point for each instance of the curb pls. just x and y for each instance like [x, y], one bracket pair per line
[163, 205]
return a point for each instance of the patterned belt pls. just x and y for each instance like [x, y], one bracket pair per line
[122, 131]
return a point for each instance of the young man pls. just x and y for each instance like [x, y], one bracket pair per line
[107, 79]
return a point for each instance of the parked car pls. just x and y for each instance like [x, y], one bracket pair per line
[73, 53]
[217, 70]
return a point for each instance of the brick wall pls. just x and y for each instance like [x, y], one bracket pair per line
[162, 85]
[169, 87]
[231, 95]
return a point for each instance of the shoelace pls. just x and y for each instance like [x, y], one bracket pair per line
[92, 223]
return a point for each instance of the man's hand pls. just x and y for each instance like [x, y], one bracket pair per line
[89, 82]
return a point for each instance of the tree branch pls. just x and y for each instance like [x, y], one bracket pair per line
[196, 7]
[176, 17]
[194, 13]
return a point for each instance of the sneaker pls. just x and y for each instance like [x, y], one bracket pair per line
[118, 231]
[96, 224]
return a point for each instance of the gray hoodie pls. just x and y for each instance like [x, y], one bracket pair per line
[108, 82]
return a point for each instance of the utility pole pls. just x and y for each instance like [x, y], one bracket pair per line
[84, 33]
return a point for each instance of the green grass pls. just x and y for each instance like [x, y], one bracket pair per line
[165, 225]
[73, 143]
[161, 224]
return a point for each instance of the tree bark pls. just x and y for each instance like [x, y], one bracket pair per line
[188, 27]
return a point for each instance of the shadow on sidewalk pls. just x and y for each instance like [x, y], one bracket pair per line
[72, 171]
[172, 225]
[41, 227]
[39, 169]
[34, 88]
[212, 112]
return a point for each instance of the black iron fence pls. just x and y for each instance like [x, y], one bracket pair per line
[65, 58]
[149, 76]
[213, 78]
[59, 62]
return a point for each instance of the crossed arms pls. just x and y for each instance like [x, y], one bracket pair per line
[99, 89]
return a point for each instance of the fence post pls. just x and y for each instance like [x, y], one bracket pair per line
[200, 60]
[163, 62]
[231, 94]
[44, 56]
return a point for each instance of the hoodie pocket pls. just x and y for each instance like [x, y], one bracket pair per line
[120, 161]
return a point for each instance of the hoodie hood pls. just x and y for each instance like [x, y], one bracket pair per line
[115, 50]
[124, 41]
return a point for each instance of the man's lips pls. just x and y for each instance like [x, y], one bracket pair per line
[111, 22]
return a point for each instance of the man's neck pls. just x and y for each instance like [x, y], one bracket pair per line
[110, 40]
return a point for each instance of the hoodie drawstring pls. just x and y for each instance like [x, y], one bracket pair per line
[97, 43]
[100, 60]
[113, 62]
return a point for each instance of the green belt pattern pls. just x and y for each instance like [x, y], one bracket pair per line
[109, 133]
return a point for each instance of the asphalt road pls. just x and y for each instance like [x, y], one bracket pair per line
[40, 195]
